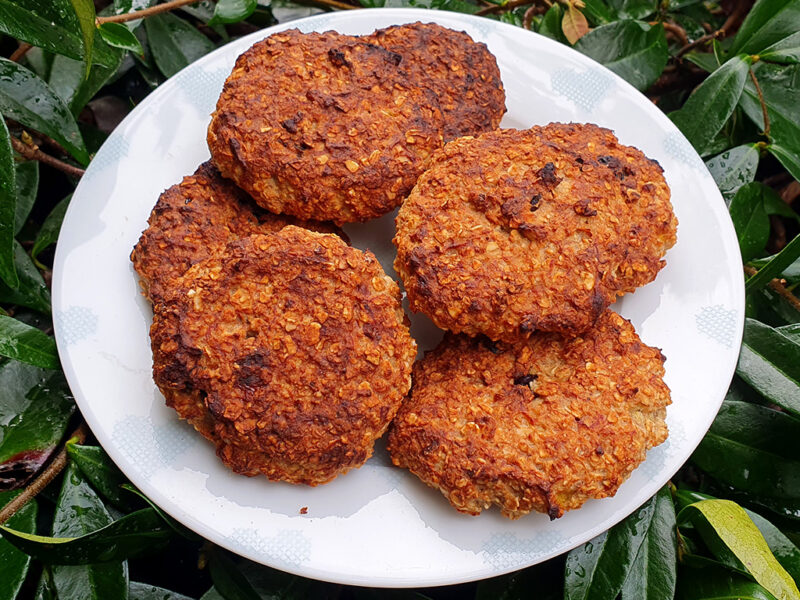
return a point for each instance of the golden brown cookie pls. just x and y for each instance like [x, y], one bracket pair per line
[324, 126]
[517, 231]
[196, 219]
[290, 351]
[462, 73]
[544, 425]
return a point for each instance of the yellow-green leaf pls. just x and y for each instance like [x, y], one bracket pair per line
[737, 531]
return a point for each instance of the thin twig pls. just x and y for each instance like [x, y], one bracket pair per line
[45, 477]
[33, 153]
[504, 7]
[330, 4]
[763, 103]
[676, 30]
[777, 286]
[727, 28]
[21, 51]
[527, 18]
[145, 12]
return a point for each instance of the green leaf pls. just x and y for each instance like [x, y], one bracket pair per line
[174, 525]
[712, 102]
[758, 427]
[786, 257]
[144, 591]
[13, 563]
[27, 344]
[705, 60]
[119, 36]
[105, 477]
[779, 86]
[767, 22]
[32, 422]
[48, 234]
[175, 43]
[546, 578]
[652, 574]
[84, 10]
[228, 580]
[792, 331]
[750, 219]
[634, 50]
[27, 26]
[599, 568]
[232, 11]
[633, 9]
[788, 158]
[27, 99]
[550, 25]
[139, 533]
[27, 187]
[80, 512]
[726, 522]
[770, 363]
[715, 583]
[781, 546]
[32, 292]
[734, 168]
[597, 12]
[786, 50]
[8, 207]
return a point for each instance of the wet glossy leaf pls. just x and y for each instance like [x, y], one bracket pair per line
[8, 203]
[84, 10]
[712, 102]
[749, 216]
[228, 580]
[782, 260]
[27, 344]
[574, 24]
[144, 591]
[758, 427]
[29, 27]
[119, 36]
[652, 575]
[734, 168]
[232, 11]
[770, 363]
[726, 522]
[27, 99]
[13, 563]
[80, 512]
[48, 234]
[634, 50]
[173, 524]
[597, 12]
[550, 25]
[598, 569]
[139, 533]
[33, 422]
[786, 50]
[101, 472]
[27, 179]
[790, 159]
[779, 86]
[715, 583]
[175, 43]
[768, 22]
[634, 9]
[32, 291]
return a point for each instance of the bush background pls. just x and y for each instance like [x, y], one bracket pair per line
[728, 524]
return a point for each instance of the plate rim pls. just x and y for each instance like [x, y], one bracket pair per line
[401, 15]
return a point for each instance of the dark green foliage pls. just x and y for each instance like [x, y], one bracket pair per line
[80, 541]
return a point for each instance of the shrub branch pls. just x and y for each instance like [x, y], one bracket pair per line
[33, 153]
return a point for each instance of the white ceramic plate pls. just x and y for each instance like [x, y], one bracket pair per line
[378, 525]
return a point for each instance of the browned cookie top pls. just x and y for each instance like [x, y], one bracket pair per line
[324, 126]
[196, 219]
[544, 425]
[461, 72]
[515, 231]
[299, 348]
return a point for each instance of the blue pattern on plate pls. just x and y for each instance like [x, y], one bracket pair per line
[202, 87]
[718, 323]
[288, 547]
[504, 551]
[678, 147]
[76, 323]
[150, 448]
[586, 89]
